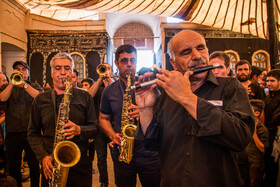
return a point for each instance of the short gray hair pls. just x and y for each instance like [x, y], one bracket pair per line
[170, 49]
[62, 55]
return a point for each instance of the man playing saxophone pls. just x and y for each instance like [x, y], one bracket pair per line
[82, 124]
[144, 163]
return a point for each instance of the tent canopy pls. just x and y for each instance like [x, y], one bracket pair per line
[243, 16]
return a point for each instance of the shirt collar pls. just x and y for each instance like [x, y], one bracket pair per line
[211, 78]
[274, 93]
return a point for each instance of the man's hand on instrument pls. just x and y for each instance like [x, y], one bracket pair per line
[133, 111]
[146, 97]
[107, 79]
[176, 85]
[23, 82]
[71, 130]
[116, 139]
[47, 167]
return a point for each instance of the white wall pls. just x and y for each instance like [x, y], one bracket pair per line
[9, 57]
[12, 32]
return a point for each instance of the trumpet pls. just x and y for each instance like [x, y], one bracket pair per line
[101, 69]
[17, 78]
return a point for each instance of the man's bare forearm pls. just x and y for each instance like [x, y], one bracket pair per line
[93, 89]
[31, 91]
[106, 127]
[5, 94]
[146, 116]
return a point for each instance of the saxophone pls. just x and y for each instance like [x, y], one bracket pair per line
[128, 128]
[65, 153]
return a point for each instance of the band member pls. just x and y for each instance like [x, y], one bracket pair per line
[18, 96]
[101, 141]
[198, 122]
[82, 124]
[144, 163]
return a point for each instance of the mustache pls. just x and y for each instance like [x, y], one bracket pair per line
[196, 63]
[129, 71]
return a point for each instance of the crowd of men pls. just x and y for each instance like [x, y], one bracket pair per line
[214, 128]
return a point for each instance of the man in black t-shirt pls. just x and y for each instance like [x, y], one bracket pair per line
[145, 163]
[243, 71]
[272, 122]
[17, 100]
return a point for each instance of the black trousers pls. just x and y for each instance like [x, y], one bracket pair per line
[15, 144]
[271, 169]
[147, 168]
[100, 143]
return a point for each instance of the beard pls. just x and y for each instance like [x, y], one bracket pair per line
[243, 78]
[126, 72]
[274, 87]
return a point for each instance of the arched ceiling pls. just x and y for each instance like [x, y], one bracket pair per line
[244, 16]
[116, 20]
[9, 47]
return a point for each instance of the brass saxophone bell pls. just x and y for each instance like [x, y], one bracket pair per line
[67, 154]
[17, 78]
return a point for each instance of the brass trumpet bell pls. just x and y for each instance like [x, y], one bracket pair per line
[17, 78]
[101, 69]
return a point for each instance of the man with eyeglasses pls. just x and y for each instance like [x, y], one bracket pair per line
[144, 163]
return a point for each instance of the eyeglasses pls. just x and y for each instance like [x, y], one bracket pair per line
[125, 61]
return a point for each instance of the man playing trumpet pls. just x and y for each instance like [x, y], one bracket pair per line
[18, 96]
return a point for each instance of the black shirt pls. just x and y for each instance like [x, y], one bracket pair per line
[97, 99]
[201, 152]
[272, 114]
[257, 92]
[17, 109]
[111, 103]
[43, 120]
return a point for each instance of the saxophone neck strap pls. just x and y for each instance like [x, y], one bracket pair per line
[54, 105]
[53, 94]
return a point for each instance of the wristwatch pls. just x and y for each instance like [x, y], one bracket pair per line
[25, 86]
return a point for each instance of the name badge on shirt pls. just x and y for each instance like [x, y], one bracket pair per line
[216, 102]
